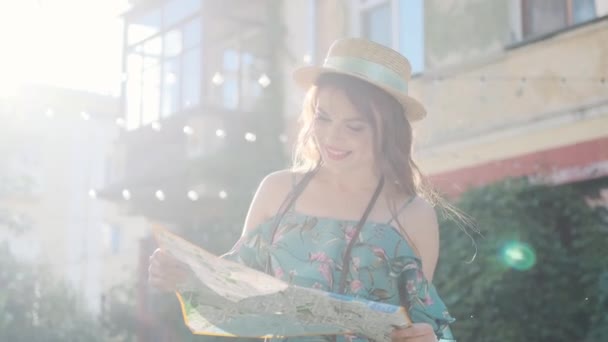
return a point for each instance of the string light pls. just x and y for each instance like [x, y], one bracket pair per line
[307, 59]
[217, 79]
[50, 113]
[156, 126]
[120, 122]
[126, 194]
[223, 194]
[160, 195]
[264, 81]
[188, 130]
[85, 115]
[93, 193]
[192, 195]
[250, 137]
[220, 133]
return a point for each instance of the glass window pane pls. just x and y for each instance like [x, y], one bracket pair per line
[230, 92]
[377, 24]
[411, 32]
[544, 16]
[133, 91]
[172, 45]
[230, 61]
[177, 10]
[143, 26]
[192, 33]
[583, 10]
[251, 88]
[191, 86]
[151, 51]
[151, 94]
[171, 82]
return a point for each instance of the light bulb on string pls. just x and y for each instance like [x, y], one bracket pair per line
[220, 133]
[192, 195]
[160, 195]
[120, 122]
[93, 194]
[85, 116]
[223, 194]
[50, 113]
[188, 130]
[126, 194]
[264, 81]
[156, 126]
[307, 59]
[250, 137]
[217, 79]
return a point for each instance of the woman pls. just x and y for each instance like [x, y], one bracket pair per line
[353, 215]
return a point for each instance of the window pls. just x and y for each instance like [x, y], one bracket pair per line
[398, 24]
[240, 71]
[544, 16]
[163, 62]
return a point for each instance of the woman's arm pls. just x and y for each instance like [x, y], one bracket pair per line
[419, 221]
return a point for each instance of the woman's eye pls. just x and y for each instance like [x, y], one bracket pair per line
[355, 128]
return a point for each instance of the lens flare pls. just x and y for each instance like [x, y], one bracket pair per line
[518, 255]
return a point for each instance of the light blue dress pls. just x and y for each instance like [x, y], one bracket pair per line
[307, 251]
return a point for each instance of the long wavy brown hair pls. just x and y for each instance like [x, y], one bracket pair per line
[393, 142]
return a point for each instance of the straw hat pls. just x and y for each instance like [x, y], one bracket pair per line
[371, 62]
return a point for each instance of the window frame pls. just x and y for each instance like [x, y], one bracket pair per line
[133, 48]
[519, 20]
[356, 29]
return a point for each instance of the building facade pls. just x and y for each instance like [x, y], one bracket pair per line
[512, 88]
[54, 150]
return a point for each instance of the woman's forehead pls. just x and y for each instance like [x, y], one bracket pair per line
[334, 101]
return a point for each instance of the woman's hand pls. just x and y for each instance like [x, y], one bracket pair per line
[418, 332]
[165, 272]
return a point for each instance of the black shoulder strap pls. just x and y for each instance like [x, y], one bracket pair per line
[347, 253]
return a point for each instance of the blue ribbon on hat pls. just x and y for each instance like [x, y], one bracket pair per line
[370, 70]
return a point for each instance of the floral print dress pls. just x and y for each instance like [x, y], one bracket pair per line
[307, 251]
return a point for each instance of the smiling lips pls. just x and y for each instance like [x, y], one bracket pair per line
[336, 153]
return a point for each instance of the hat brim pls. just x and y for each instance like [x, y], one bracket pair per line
[306, 76]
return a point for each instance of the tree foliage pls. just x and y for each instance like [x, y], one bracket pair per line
[561, 297]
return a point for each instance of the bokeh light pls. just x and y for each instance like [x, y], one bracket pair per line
[518, 255]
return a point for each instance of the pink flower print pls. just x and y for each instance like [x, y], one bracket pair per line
[428, 300]
[379, 252]
[349, 233]
[320, 257]
[419, 276]
[325, 271]
[411, 287]
[278, 272]
[355, 286]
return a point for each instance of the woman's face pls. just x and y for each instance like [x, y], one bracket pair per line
[344, 137]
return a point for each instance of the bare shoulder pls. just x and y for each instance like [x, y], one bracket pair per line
[418, 212]
[419, 220]
[269, 196]
[276, 184]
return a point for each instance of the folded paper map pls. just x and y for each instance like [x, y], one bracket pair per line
[225, 298]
